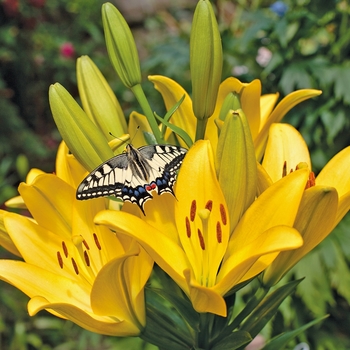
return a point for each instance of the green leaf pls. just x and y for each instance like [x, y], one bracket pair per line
[234, 341]
[176, 130]
[282, 340]
[267, 308]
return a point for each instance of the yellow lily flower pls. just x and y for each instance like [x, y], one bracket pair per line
[258, 109]
[73, 268]
[193, 242]
[323, 205]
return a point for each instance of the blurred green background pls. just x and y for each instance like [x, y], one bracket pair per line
[289, 45]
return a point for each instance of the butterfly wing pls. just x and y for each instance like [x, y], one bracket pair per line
[132, 176]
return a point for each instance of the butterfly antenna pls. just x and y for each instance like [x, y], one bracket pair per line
[137, 129]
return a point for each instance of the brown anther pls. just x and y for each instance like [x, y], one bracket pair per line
[201, 239]
[98, 245]
[65, 250]
[209, 205]
[218, 232]
[60, 260]
[223, 214]
[188, 227]
[75, 266]
[284, 169]
[311, 180]
[86, 245]
[193, 210]
[86, 257]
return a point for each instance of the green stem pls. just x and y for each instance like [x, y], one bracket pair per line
[200, 130]
[146, 108]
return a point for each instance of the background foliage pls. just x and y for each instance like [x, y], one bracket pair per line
[288, 45]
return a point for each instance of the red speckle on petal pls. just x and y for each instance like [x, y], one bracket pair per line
[223, 214]
[218, 232]
[193, 210]
[201, 239]
[284, 169]
[188, 227]
[209, 205]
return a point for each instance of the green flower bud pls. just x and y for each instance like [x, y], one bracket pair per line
[236, 165]
[98, 99]
[231, 102]
[121, 46]
[205, 60]
[83, 138]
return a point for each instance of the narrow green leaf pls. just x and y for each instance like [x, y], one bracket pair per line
[282, 340]
[234, 341]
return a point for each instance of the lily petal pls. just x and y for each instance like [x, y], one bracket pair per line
[285, 146]
[278, 113]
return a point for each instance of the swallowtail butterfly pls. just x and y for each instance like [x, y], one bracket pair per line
[133, 175]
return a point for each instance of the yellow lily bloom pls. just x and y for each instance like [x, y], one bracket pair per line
[258, 109]
[192, 241]
[73, 268]
[323, 205]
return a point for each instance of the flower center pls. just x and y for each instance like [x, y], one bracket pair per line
[311, 180]
[204, 236]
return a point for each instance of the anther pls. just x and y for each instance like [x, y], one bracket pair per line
[201, 239]
[193, 210]
[75, 266]
[86, 257]
[98, 245]
[65, 250]
[311, 181]
[86, 245]
[188, 227]
[218, 232]
[223, 214]
[60, 261]
[209, 205]
[284, 169]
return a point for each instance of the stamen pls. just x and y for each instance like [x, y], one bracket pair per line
[284, 169]
[65, 250]
[60, 260]
[75, 266]
[86, 245]
[311, 180]
[218, 232]
[201, 239]
[209, 205]
[87, 259]
[188, 227]
[98, 245]
[223, 214]
[193, 210]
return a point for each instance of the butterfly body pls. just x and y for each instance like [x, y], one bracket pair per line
[133, 175]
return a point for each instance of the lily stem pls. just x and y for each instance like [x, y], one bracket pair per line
[146, 108]
[200, 130]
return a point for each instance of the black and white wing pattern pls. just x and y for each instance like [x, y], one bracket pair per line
[133, 175]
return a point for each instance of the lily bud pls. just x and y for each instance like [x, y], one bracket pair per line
[205, 60]
[83, 138]
[121, 46]
[231, 102]
[236, 165]
[98, 100]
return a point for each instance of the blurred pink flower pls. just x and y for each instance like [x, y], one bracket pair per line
[67, 50]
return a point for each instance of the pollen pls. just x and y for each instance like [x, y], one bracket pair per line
[87, 259]
[209, 205]
[311, 180]
[60, 261]
[98, 245]
[188, 227]
[201, 239]
[218, 232]
[223, 214]
[75, 266]
[193, 210]
[65, 250]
